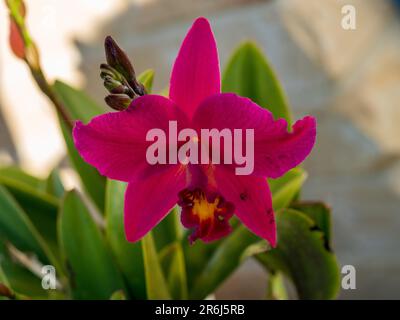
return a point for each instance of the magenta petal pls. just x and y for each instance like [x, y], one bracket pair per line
[275, 149]
[252, 200]
[115, 143]
[195, 74]
[148, 200]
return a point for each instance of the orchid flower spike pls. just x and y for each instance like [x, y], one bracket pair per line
[209, 194]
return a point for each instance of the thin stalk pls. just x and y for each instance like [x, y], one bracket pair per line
[31, 57]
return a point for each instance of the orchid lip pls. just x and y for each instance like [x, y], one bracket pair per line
[206, 214]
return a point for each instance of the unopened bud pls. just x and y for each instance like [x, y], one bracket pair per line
[120, 66]
[15, 37]
[114, 86]
[118, 101]
[118, 59]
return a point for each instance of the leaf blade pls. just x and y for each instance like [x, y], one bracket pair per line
[302, 256]
[156, 283]
[81, 107]
[250, 75]
[93, 273]
[129, 256]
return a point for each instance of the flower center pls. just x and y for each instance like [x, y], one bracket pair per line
[207, 214]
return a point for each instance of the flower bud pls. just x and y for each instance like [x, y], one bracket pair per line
[118, 101]
[118, 59]
[119, 65]
[15, 37]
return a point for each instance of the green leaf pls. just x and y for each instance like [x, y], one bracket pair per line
[40, 207]
[320, 213]
[249, 74]
[118, 295]
[197, 256]
[168, 230]
[164, 92]
[129, 256]
[54, 184]
[173, 263]
[16, 226]
[81, 107]
[303, 257]
[276, 289]
[225, 259]
[3, 280]
[78, 104]
[285, 188]
[14, 175]
[93, 273]
[20, 279]
[146, 78]
[156, 283]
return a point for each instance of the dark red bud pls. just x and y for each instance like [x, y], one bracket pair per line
[118, 59]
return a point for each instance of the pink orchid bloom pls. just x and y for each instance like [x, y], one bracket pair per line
[115, 143]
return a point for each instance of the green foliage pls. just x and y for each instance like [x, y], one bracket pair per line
[81, 107]
[249, 74]
[155, 279]
[302, 255]
[92, 271]
[129, 256]
[17, 228]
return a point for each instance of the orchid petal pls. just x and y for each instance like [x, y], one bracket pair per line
[195, 74]
[115, 143]
[275, 149]
[148, 200]
[252, 200]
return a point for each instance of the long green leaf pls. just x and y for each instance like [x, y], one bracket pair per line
[129, 256]
[156, 283]
[40, 206]
[93, 273]
[225, 259]
[249, 74]
[301, 255]
[20, 279]
[173, 263]
[168, 230]
[13, 174]
[81, 107]
[16, 227]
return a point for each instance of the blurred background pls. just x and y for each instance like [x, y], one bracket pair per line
[348, 79]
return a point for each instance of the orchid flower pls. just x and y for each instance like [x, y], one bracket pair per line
[209, 195]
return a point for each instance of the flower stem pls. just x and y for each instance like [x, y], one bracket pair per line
[31, 57]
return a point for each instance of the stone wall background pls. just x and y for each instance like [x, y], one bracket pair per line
[350, 80]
